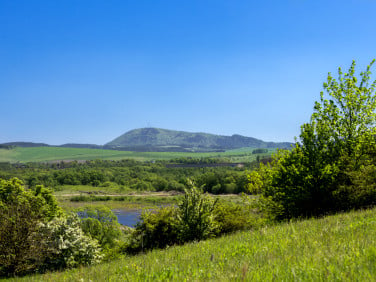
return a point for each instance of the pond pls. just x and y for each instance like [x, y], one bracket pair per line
[125, 217]
[128, 217]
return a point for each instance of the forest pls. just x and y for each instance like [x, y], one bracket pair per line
[134, 175]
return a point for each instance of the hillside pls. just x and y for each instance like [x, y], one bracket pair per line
[156, 139]
[334, 248]
[164, 140]
[51, 154]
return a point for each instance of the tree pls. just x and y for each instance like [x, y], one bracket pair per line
[317, 175]
[344, 124]
[21, 212]
[35, 234]
[196, 219]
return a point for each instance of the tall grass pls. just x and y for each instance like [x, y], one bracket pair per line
[334, 248]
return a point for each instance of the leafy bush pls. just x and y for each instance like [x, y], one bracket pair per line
[260, 151]
[360, 189]
[21, 212]
[155, 230]
[67, 245]
[35, 235]
[195, 217]
[101, 224]
[332, 167]
[231, 217]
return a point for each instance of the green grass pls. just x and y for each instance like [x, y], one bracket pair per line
[71, 197]
[46, 154]
[334, 248]
[112, 188]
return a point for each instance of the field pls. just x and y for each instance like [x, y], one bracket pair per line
[335, 248]
[49, 154]
[71, 197]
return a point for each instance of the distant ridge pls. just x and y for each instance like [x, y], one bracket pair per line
[25, 144]
[164, 140]
[157, 139]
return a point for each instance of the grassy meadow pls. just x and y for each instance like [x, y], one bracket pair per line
[71, 197]
[334, 248]
[49, 154]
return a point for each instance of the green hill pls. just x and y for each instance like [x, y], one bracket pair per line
[164, 140]
[334, 248]
[156, 139]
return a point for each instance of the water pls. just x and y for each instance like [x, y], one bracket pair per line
[125, 217]
[128, 217]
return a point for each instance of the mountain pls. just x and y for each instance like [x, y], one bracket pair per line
[164, 140]
[24, 144]
[156, 139]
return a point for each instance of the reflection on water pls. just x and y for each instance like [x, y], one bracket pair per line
[128, 217]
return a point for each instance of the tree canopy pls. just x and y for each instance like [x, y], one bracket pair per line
[322, 172]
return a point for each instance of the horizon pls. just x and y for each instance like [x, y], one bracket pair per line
[20, 141]
[88, 71]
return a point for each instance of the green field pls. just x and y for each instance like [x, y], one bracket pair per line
[47, 154]
[334, 248]
[112, 197]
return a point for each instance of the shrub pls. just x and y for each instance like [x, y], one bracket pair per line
[35, 235]
[156, 229]
[260, 151]
[195, 217]
[66, 244]
[101, 224]
[21, 211]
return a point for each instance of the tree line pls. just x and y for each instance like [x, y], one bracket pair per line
[130, 174]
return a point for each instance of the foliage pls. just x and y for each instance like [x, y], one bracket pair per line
[198, 216]
[334, 248]
[118, 176]
[21, 211]
[255, 182]
[259, 151]
[195, 218]
[35, 235]
[231, 217]
[320, 173]
[100, 223]
[156, 229]
[222, 182]
[67, 245]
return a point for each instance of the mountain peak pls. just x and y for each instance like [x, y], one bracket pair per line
[158, 139]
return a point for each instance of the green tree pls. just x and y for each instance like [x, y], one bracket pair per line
[316, 176]
[35, 235]
[21, 211]
[196, 219]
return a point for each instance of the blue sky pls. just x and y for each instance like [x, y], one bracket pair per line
[86, 71]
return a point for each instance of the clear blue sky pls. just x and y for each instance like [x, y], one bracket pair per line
[86, 71]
